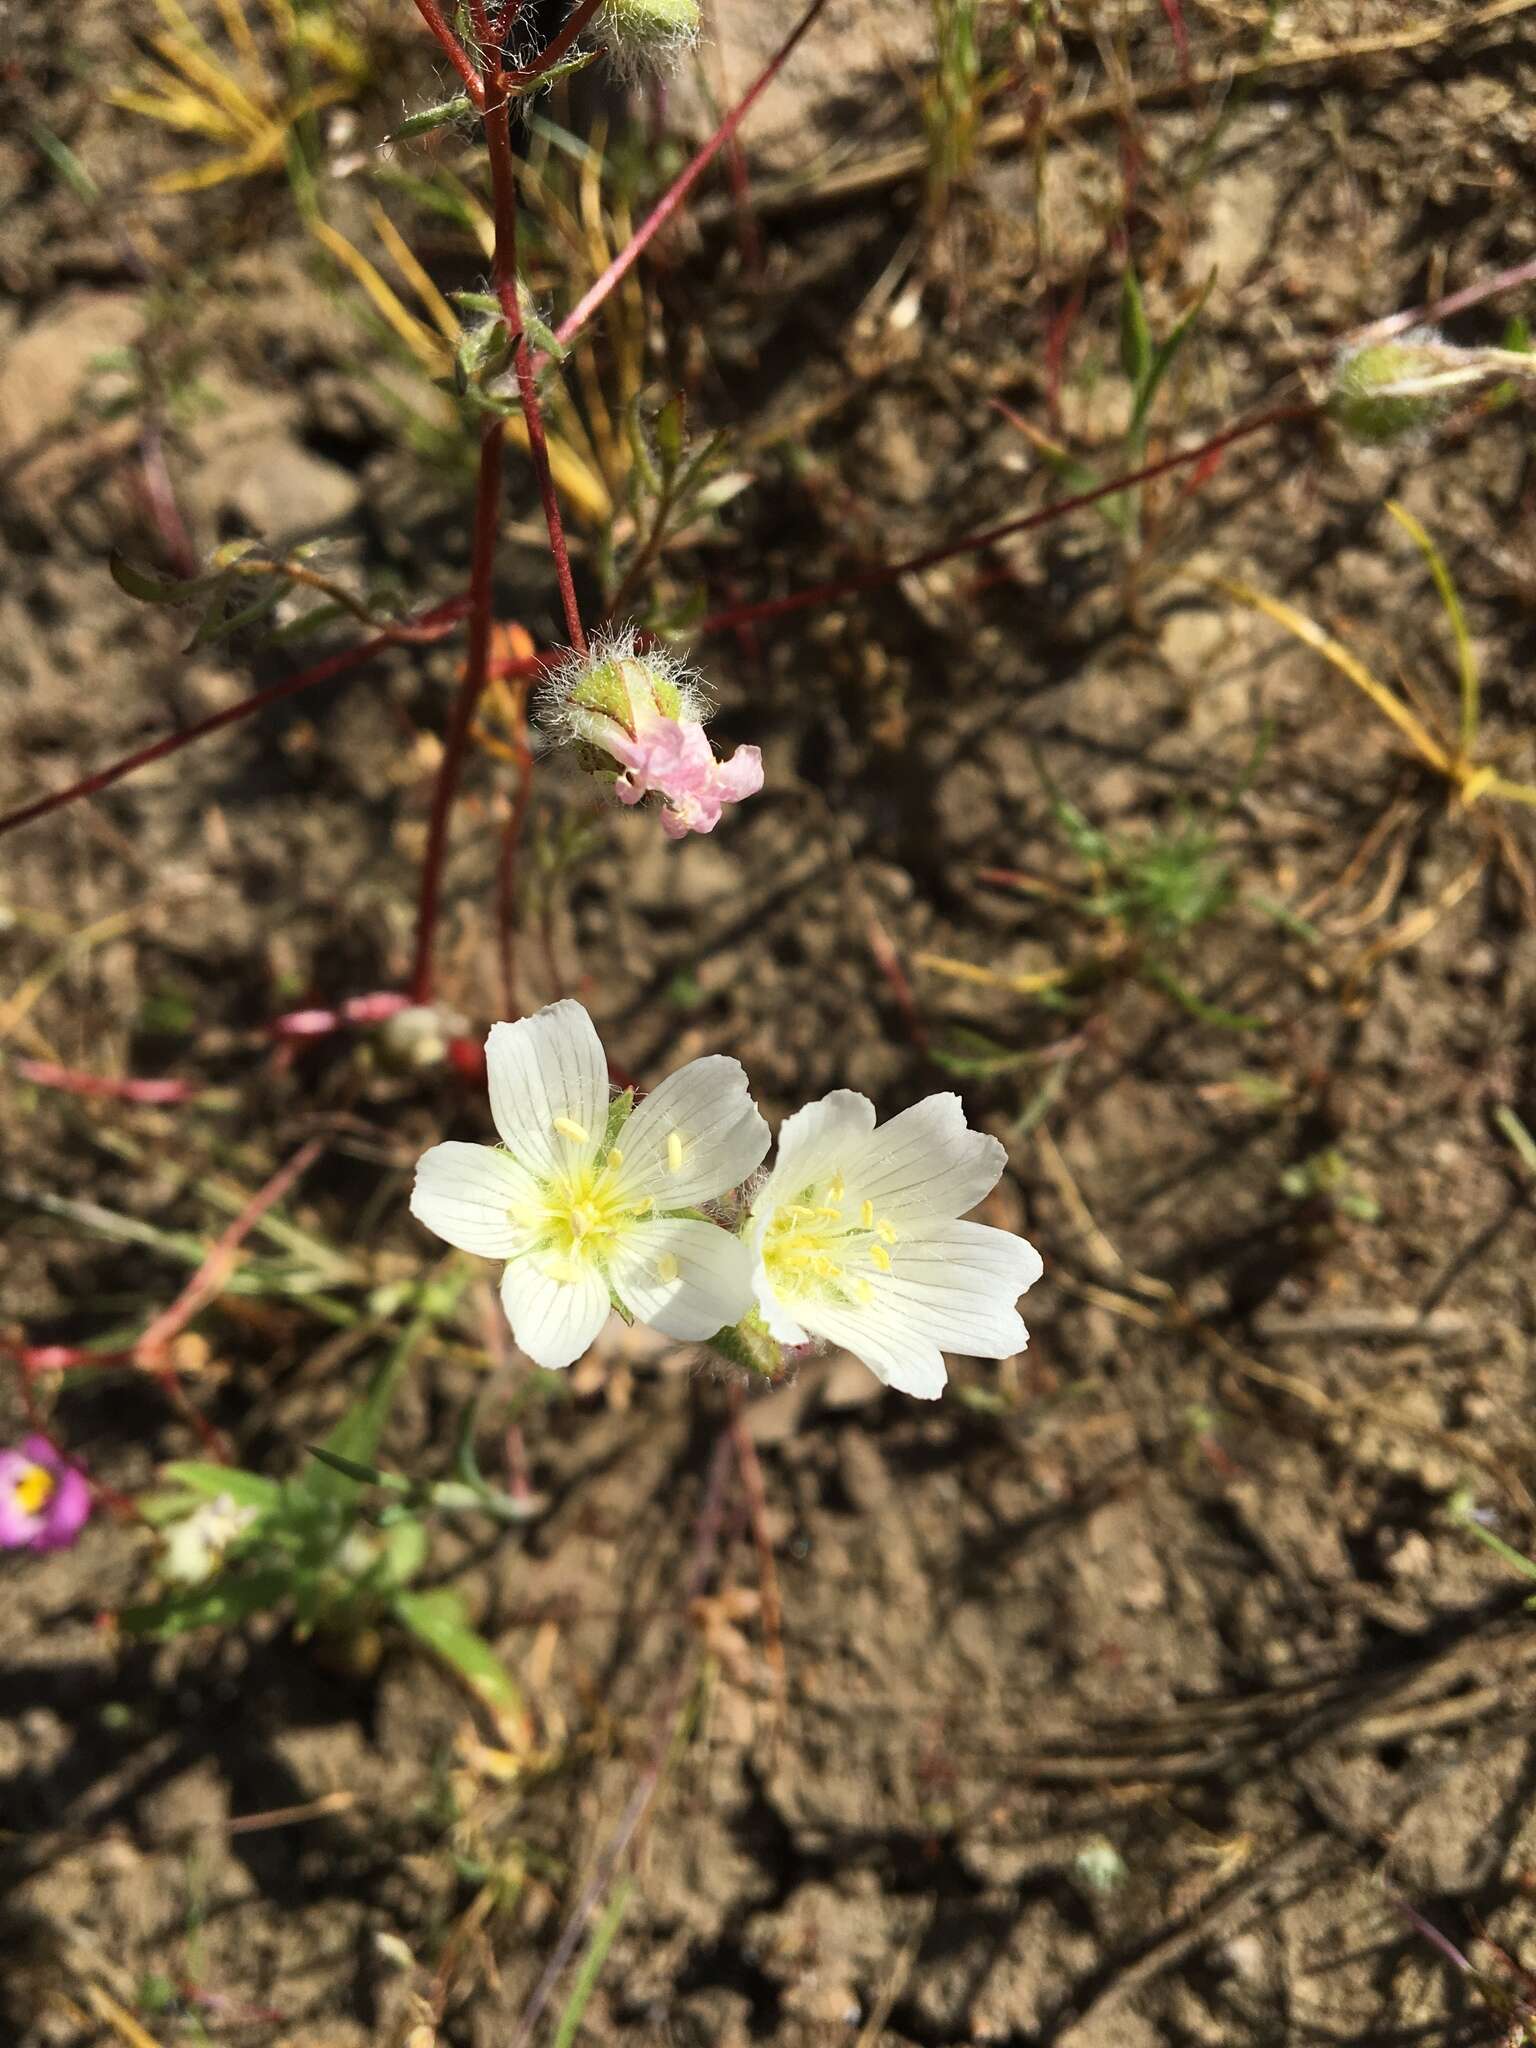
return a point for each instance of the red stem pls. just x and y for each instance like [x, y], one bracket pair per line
[430, 625]
[476, 664]
[553, 52]
[453, 50]
[872, 579]
[538, 448]
[498, 144]
[506, 872]
[681, 186]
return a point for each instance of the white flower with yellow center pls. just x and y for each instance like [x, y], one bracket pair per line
[856, 1240]
[591, 1207]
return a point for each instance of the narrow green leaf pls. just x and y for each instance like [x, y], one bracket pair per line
[431, 117]
[592, 1964]
[246, 1489]
[65, 164]
[562, 68]
[670, 435]
[149, 588]
[365, 1475]
[224, 1603]
[439, 1621]
[1164, 356]
[1135, 335]
[355, 1439]
[405, 1552]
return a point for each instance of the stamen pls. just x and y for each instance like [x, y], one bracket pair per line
[674, 1151]
[880, 1257]
[568, 1128]
[867, 1215]
[34, 1489]
[836, 1188]
[886, 1230]
[666, 1268]
[615, 1158]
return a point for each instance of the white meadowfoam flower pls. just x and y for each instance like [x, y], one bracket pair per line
[588, 1211]
[856, 1240]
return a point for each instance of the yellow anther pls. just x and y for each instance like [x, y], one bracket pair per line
[825, 1267]
[880, 1257]
[886, 1230]
[828, 1213]
[666, 1267]
[867, 1215]
[567, 1271]
[674, 1151]
[645, 1205]
[863, 1292]
[615, 1158]
[836, 1188]
[34, 1489]
[568, 1128]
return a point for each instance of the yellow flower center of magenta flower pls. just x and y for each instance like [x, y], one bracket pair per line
[819, 1245]
[34, 1489]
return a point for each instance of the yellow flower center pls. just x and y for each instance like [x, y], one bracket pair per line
[34, 1489]
[578, 1216]
[816, 1246]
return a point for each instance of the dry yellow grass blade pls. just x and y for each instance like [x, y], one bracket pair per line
[179, 108]
[430, 350]
[118, 2018]
[1472, 780]
[989, 977]
[405, 261]
[1386, 701]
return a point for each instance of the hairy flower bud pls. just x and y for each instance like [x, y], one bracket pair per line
[1386, 390]
[641, 32]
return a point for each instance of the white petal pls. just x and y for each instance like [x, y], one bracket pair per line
[543, 1069]
[814, 1144]
[956, 1284]
[684, 1278]
[926, 1163]
[464, 1193]
[881, 1336]
[952, 1289]
[720, 1136]
[554, 1321]
[781, 1324]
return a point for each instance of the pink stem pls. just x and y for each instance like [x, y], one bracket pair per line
[681, 186]
[209, 1279]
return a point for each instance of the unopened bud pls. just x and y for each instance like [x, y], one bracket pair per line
[1387, 390]
[418, 1037]
[639, 32]
[751, 1345]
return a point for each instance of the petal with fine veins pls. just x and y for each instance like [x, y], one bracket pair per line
[549, 1089]
[554, 1321]
[466, 1193]
[684, 1278]
[719, 1137]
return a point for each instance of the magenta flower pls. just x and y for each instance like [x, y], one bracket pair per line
[44, 1500]
[673, 757]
